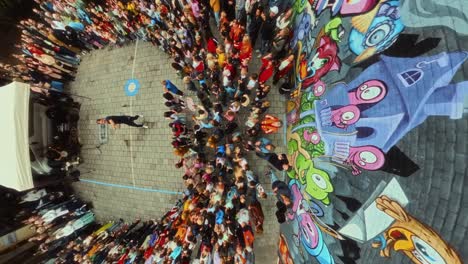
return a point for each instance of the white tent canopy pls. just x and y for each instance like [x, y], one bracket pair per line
[15, 165]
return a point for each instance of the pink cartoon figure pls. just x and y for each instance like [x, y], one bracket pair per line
[365, 157]
[310, 235]
[308, 229]
[345, 116]
[344, 8]
[325, 60]
[313, 137]
[319, 88]
[369, 92]
[297, 201]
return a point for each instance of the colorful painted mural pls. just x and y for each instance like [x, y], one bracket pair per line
[357, 92]
[415, 239]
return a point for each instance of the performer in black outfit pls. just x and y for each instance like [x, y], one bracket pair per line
[115, 121]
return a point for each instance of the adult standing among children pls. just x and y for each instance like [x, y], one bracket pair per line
[268, 27]
[229, 7]
[116, 121]
[279, 43]
[254, 25]
[279, 162]
[280, 188]
[240, 11]
[250, 5]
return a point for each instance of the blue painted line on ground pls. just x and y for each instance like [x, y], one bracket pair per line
[129, 187]
[134, 188]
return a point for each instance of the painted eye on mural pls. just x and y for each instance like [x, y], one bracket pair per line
[367, 157]
[304, 26]
[318, 63]
[307, 24]
[371, 92]
[309, 231]
[320, 181]
[378, 34]
[347, 116]
[315, 137]
[319, 89]
[306, 236]
[425, 253]
[323, 62]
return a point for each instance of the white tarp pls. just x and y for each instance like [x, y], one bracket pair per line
[15, 165]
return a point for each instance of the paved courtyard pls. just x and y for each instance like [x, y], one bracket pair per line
[438, 191]
[156, 183]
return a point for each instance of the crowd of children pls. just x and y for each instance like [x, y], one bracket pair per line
[216, 221]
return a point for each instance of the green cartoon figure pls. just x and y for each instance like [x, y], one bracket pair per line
[334, 29]
[317, 182]
[300, 5]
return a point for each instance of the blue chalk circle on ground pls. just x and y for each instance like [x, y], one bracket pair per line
[132, 87]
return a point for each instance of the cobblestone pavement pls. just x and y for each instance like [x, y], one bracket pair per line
[101, 77]
[438, 192]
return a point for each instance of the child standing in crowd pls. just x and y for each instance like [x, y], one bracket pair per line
[169, 86]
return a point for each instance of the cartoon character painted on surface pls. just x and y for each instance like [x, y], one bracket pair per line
[300, 5]
[309, 136]
[312, 137]
[317, 182]
[325, 60]
[365, 157]
[345, 116]
[369, 92]
[344, 7]
[342, 152]
[305, 22]
[310, 235]
[375, 31]
[407, 92]
[416, 240]
[334, 29]
[319, 88]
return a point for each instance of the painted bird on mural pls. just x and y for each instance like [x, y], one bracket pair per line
[416, 240]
